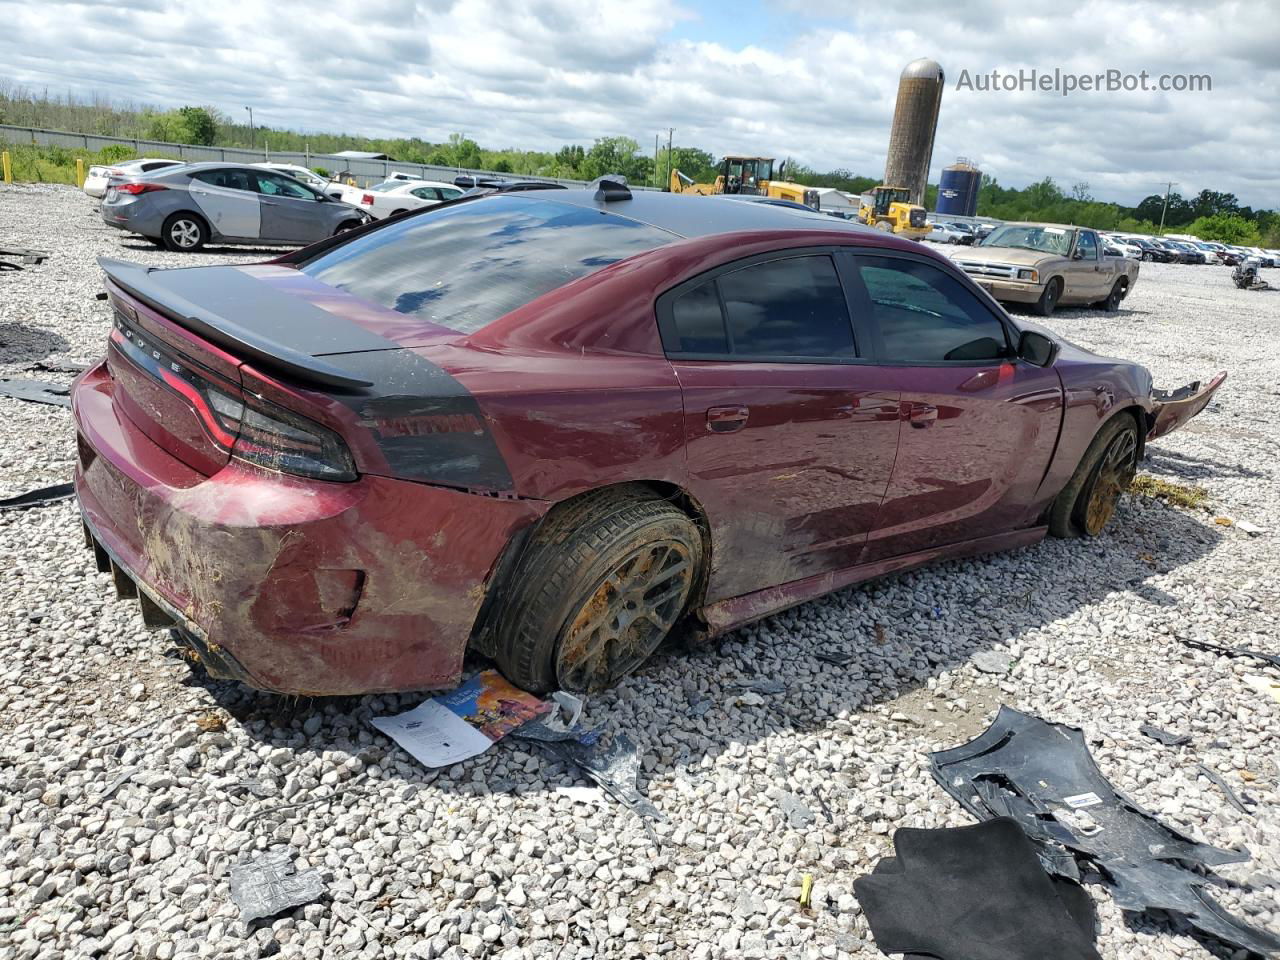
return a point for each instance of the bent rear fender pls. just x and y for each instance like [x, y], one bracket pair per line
[1171, 409]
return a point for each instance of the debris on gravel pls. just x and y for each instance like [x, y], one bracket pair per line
[131, 784]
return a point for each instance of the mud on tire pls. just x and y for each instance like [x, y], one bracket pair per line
[1088, 501]
[602, 581]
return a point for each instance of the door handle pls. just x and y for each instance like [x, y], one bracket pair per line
[270, 203]
[727, 419]
[923, 414]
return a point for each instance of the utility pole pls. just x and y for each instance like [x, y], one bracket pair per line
[250, 109]
[1165, 209]
[671, 132]
[655, 161]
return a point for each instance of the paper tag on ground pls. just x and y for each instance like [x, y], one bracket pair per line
[1082, 800]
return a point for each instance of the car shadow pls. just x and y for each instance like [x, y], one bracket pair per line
[894, 636]
[23, 343]
[214, 250]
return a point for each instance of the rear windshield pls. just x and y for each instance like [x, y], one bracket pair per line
[465, 265]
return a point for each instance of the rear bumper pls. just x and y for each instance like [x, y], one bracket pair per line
[292, 585]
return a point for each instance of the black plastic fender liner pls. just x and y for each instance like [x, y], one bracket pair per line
[974, 893]
[1043, 777]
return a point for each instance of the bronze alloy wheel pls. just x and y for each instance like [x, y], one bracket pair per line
[626, 616]
[1114, 474]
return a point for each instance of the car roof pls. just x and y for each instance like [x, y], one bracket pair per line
[1040, 223]
[411, 184]
[694, 216]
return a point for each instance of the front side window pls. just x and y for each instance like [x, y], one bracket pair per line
[274, 185]
[792, 308]
[464, 266]
[426, 193]
[927, 316]
[1087, 244]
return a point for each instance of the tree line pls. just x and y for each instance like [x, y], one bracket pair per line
[1210, 214]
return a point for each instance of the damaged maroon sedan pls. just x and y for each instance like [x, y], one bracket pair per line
[550, 428]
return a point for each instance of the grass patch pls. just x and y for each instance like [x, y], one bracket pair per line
[38, 164]
[1180, 495]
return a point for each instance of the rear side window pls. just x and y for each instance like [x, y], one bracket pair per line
[464, 266]
[923, 315]
[792, 308]
[230, 179]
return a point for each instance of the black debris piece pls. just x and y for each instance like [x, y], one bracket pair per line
[1232, 797]
[1271, 658]
[272, 884]
[764, 687]
[37, 391]
[1043, 777]
[835, 657]
[41, 367]
[39, 497]
[1164, 736]
[974, 893]
[612, 761]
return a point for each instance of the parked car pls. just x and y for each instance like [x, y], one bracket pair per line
[97, 177]
[395, 197]
[968, 229]
[1151, 250]
[330, 188]
[231, 203]
[1264, 256]
[1213, 252]
[942, 232]
[550, 426]
[1126, 246]
[1044, 264]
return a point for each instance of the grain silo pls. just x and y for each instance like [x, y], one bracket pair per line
[958, 189]
[915, 119]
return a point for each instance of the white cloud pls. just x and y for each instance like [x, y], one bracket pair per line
[540, 73]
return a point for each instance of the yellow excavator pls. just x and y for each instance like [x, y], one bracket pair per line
[752, 176]
[890, 209]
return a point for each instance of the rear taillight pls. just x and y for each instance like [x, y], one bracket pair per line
[367, 199]
[247, 427]
[136, 188]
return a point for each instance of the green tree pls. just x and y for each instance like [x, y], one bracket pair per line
[616, 155]
[200, 124]
[1226, 228]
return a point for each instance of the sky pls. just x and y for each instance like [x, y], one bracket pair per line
[815, 82]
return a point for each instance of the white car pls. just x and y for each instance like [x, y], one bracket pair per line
[395, 197]
[330, 188]
[1126, 248]
[95, 181]
[945, 233]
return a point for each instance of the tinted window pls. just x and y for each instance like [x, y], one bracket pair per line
[426, 193]
[787, 308]
[926, 316]
[231, 179]
[698, 322]
[467, 265]
[1087, 245]
[275, 185]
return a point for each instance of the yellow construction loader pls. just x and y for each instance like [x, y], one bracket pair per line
[752, 176]
[890, 209]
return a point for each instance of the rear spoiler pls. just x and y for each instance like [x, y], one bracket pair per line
[135, 280]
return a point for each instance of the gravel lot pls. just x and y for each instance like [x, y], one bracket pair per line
[486, 859]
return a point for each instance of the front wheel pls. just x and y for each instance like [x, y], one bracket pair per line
[1089, 499]
[346, 225]
[602, 582]
[184, 232]
[1048, 298]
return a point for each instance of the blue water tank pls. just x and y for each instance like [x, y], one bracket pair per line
[958, 189]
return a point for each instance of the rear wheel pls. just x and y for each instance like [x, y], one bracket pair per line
[884, 225]
[1089, 499]
[1118, 291]
[1049, 297]
[398, 213]
[184, 232]
[602, 582]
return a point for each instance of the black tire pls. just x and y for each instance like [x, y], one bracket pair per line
[157, 241]
[398, 213]
[1048, 297]
[184, 232]
[346, 225]
[587, 606]
[1118, 291]
[1088, 501]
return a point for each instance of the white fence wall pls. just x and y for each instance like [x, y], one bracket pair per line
[364, 172]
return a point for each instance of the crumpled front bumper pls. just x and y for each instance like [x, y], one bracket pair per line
[1174, 408]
